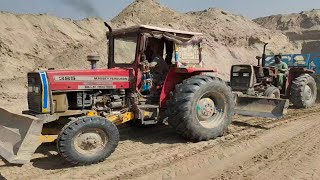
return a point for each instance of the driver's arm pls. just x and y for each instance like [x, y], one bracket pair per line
[284, 68]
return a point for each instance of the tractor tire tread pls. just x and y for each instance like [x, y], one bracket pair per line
[297, 88]
[271, 90]
[71, 128]
[180, 104]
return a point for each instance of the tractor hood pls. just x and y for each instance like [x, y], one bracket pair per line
[66, 80]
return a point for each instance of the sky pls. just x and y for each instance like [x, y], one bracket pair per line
[107, 9]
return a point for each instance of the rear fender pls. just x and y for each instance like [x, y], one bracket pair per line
[176, 76]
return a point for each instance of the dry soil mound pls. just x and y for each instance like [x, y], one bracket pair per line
[302, 28]
[29, 42]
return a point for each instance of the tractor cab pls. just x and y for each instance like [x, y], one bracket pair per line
[153, 53]
[251, 79]
[129, 47]
[254, 80]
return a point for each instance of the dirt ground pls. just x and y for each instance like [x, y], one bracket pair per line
[254, 148]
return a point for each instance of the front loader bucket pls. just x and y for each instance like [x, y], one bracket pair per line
[19, 136]
[261, 106]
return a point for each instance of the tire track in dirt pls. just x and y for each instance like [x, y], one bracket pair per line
[296, 158]
[165, 158]
[141, 151]
[126, 155]
[232, 154]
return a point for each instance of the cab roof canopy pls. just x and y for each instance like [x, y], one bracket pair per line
[148, 28]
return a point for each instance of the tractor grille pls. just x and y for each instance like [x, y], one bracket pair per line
[240, 83]
[34, 92]
[241, 77]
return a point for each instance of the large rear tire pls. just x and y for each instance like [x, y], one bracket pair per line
[88, 140]
[201, 108]
[303, 91]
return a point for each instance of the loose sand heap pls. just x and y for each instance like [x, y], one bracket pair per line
[302, 28]
[31, 42]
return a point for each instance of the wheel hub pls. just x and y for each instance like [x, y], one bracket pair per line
[308, 92]
[205, 108]
[90, 141]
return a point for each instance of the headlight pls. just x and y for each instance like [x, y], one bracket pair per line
[30, 89]
[34, 89]
[235, 74]
[246, 74]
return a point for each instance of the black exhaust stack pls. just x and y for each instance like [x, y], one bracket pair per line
[264, 56]
[109, 27]
[111, 46]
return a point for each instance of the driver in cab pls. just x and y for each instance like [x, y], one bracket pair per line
[283, 70]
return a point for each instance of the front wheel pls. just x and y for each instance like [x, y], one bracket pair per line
[272, 92]
[88, 140]
[201, 108]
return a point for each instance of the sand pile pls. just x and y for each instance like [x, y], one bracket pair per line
[302, 28]
[30, 42]
[229, 38]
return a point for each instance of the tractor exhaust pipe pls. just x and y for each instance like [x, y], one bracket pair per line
[108, 26]
[93, 61]
[111, 46]
[264, 56]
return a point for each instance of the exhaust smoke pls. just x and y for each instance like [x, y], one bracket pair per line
[84, 6]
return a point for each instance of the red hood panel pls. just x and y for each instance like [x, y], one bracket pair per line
[62, 80]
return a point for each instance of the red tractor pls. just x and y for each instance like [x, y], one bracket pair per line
[257, 90]
[154, 75]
